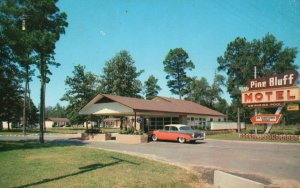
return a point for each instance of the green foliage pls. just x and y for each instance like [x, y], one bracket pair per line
[210, 96]
[132, 131]
[175, 65]
[198, 91]
[151, 87]
[56, 111]
[81, 88]
[44, 25]
[10, 84]
[32, 112]
[120, 76]
[241, 56]
[268, 55]
[93, 131]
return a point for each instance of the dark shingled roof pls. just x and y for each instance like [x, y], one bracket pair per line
[164, 104]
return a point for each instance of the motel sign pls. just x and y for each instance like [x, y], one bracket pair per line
[289, 94]
[272, 89]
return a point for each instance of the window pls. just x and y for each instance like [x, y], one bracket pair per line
[211, 119]
[219, 119]
[175, 120]
[172, 128]
[167, 121]
[185, 128]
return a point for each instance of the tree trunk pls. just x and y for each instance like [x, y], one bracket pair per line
[8, 126]
[25, 100]
[42, 101]
[1, 125]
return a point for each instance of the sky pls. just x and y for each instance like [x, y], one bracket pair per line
[148, 29]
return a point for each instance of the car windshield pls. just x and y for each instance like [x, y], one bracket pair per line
[185, 128]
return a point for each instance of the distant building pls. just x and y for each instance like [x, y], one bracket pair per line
[56, 122]
[111, 122]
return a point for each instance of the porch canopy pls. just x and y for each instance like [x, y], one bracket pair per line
[112, 105]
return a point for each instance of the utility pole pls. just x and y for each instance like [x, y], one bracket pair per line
[239, 121]
[25, 87]
[255, 110]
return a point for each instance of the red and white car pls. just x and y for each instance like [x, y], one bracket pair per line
[177, 132]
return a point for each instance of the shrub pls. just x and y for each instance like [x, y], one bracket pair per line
[297, 132]
[93, 131]
[131, 130]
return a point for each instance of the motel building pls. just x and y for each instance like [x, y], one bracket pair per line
[151, 114]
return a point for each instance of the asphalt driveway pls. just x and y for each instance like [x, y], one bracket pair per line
[275, 163]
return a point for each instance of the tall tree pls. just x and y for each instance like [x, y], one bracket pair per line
[10, 84]
[151, 87]
[175, 65]
[120, 76]
[81, 88]
[210, 96]
[215, 91]
[47, 23]
[198, 91]
[241, 56]
[268, 55]
[13, 26]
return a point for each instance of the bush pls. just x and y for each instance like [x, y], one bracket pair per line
[130, 130]
[297, 132]
[93, 131]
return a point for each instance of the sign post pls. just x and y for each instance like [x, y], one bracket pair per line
[270, 92]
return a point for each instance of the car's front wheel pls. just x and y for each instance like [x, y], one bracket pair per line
[181, 140]
[154, 138]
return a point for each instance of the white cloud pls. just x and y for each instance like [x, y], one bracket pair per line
[102, 33]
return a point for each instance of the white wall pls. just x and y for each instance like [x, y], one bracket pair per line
[225, 125]
[48, 124]
[204, 119]
[5, 125]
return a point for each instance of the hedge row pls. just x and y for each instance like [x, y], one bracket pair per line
[269, 137]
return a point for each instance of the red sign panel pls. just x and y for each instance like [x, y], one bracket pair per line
[266, 119]
[277, 95]
[275, 81]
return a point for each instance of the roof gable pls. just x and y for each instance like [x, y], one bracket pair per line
[161, 104]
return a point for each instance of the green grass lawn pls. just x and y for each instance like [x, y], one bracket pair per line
[36, 131]
[276, 129]
[29, 164]
[65, 130]
[235, 136]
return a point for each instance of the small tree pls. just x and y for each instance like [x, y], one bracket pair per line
[81, 88]
[198, 91]
[175, 65]
[120, 76]
[151, 87]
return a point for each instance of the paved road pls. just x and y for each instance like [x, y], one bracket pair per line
[265, 162]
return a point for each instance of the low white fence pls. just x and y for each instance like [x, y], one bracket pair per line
[225, 125]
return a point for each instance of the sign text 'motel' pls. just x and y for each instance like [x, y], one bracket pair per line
[279, 80]
[288, 94]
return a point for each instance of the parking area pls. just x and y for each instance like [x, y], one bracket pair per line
[276, 163]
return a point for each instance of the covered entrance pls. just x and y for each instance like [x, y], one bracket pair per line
[144, 114]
